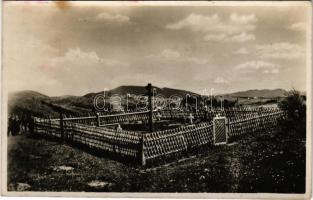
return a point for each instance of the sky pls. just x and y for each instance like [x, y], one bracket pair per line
[73, 49]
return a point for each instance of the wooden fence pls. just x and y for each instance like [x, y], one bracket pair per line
[160, 145]
[104, 140]
[232, 114]
[163, 144]
[254, 124]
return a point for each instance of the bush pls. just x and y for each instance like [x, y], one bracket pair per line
[295, 107]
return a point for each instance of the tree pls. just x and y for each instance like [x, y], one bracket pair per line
[295, 108]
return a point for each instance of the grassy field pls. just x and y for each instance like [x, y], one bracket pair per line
[260, 163]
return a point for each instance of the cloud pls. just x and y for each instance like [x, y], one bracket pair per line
[258, 66]
[108, 17]
[104, 16]
[84, 70]
[243, 19]
[216, 37]
[36, 44]
[170, 54]
[214, 24]
[195, 22]
[299, 26]
[199, 61]
[242, 51]
[142, 78]
[242, 37]
[79, 70]
[282, 50]
[220, 80]
[76, 58]
[165, 54]
[271, 71]
[25, 62]
[236, 28]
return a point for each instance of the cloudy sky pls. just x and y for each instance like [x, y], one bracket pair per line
[75, 49]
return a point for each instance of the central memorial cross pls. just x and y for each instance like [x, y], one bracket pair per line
[149, 89]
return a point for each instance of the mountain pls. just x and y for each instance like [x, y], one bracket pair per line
[265, 93]
[38, 104]
[129, 89]
[141, 90]
[35, 103]
[170, 91]
[28, 102]
[26, 94]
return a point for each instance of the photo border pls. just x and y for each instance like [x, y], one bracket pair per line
[308, 186]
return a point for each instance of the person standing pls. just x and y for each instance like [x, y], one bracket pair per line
[10, 125]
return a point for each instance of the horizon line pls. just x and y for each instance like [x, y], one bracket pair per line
[231, 92]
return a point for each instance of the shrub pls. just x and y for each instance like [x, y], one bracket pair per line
[295, 107]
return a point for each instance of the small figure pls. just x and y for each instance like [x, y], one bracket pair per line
[31, 124]
[10, 125]
[15, 126]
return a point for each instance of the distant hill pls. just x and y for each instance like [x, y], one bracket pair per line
[130, 89]
[265, 93]
[121, 90]
[169, 91]
[26, 94]
[28, 102]
[141, 90]
[32, 101]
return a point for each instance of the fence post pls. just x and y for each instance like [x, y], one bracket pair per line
[227, 128]
[62, 127]
[142, 158]
[98, 119]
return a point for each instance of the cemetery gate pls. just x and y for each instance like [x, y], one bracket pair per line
[220, 130]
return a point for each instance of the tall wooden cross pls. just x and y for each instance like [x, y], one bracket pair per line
[149, 89]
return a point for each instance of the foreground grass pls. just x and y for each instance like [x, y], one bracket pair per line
[260, 163]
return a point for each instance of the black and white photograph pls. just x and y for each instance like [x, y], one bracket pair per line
[167, 99]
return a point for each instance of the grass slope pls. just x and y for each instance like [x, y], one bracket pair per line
[260, 163]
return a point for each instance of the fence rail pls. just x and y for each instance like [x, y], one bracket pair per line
[146, 147]
[163, 143]
[254, 124]
[232, 114]
[121, 143]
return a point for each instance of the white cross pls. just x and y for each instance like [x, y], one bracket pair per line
[191, 117]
